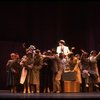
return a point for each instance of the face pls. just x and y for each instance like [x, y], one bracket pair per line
[29, 55]
[13, 56]
[60, 44]
[94, 53]
[17, 55]
[78, 56]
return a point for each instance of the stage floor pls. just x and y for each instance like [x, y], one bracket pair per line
[7, 94]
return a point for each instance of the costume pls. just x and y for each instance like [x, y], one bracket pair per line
[63, 49]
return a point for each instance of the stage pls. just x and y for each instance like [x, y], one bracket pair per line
[7, 94]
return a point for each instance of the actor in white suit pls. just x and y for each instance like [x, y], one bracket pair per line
[62, 48]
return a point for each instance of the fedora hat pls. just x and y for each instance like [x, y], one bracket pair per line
[62, 41]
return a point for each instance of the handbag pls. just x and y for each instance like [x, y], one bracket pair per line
[69, 76]
[23, 75]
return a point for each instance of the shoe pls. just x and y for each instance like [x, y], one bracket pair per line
[29, 92]
[24, 91]
[37, 91]
[48, 90]
[87, 85]
[12, 91]
[58, 92]
[44, 91]
[32, 91]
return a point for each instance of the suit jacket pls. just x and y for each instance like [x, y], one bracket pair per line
[65, 50]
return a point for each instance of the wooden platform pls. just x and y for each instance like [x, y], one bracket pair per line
[71, 86]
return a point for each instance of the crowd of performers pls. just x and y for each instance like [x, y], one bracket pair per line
[38, 72]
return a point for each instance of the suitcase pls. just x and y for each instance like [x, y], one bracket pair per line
[69, 76]
[71, 86]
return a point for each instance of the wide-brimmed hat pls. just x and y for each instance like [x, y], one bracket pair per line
[37, 51]
[13, 54]
[62, 41]
[93, 51]
[32, 47]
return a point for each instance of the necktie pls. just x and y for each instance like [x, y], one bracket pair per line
[62, 49]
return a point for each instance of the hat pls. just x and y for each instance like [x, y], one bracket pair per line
[49, 52]
[93, 51]
[37, 51]
[62, 41]
[12, 54]
[32, 47]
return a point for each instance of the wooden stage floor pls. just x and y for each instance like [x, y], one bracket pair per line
[7, 94]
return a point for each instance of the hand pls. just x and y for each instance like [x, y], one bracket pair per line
[83, 51]
[14, 72]
[73, 48]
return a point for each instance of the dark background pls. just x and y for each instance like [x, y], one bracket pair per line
[44, 24]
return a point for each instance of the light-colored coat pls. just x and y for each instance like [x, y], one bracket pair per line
[65, 50]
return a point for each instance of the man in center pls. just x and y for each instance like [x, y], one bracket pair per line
[62, 48]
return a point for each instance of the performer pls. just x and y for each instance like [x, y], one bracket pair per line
[94, 73]
[35, 73]
[13, 72]
[62, 48]
[27, 63]
[46, 73]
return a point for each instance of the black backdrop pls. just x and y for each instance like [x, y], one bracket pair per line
[44, 24]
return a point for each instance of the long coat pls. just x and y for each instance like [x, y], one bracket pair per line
[13, 72]
[35, 72]
[94, 66]
[26, 74]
